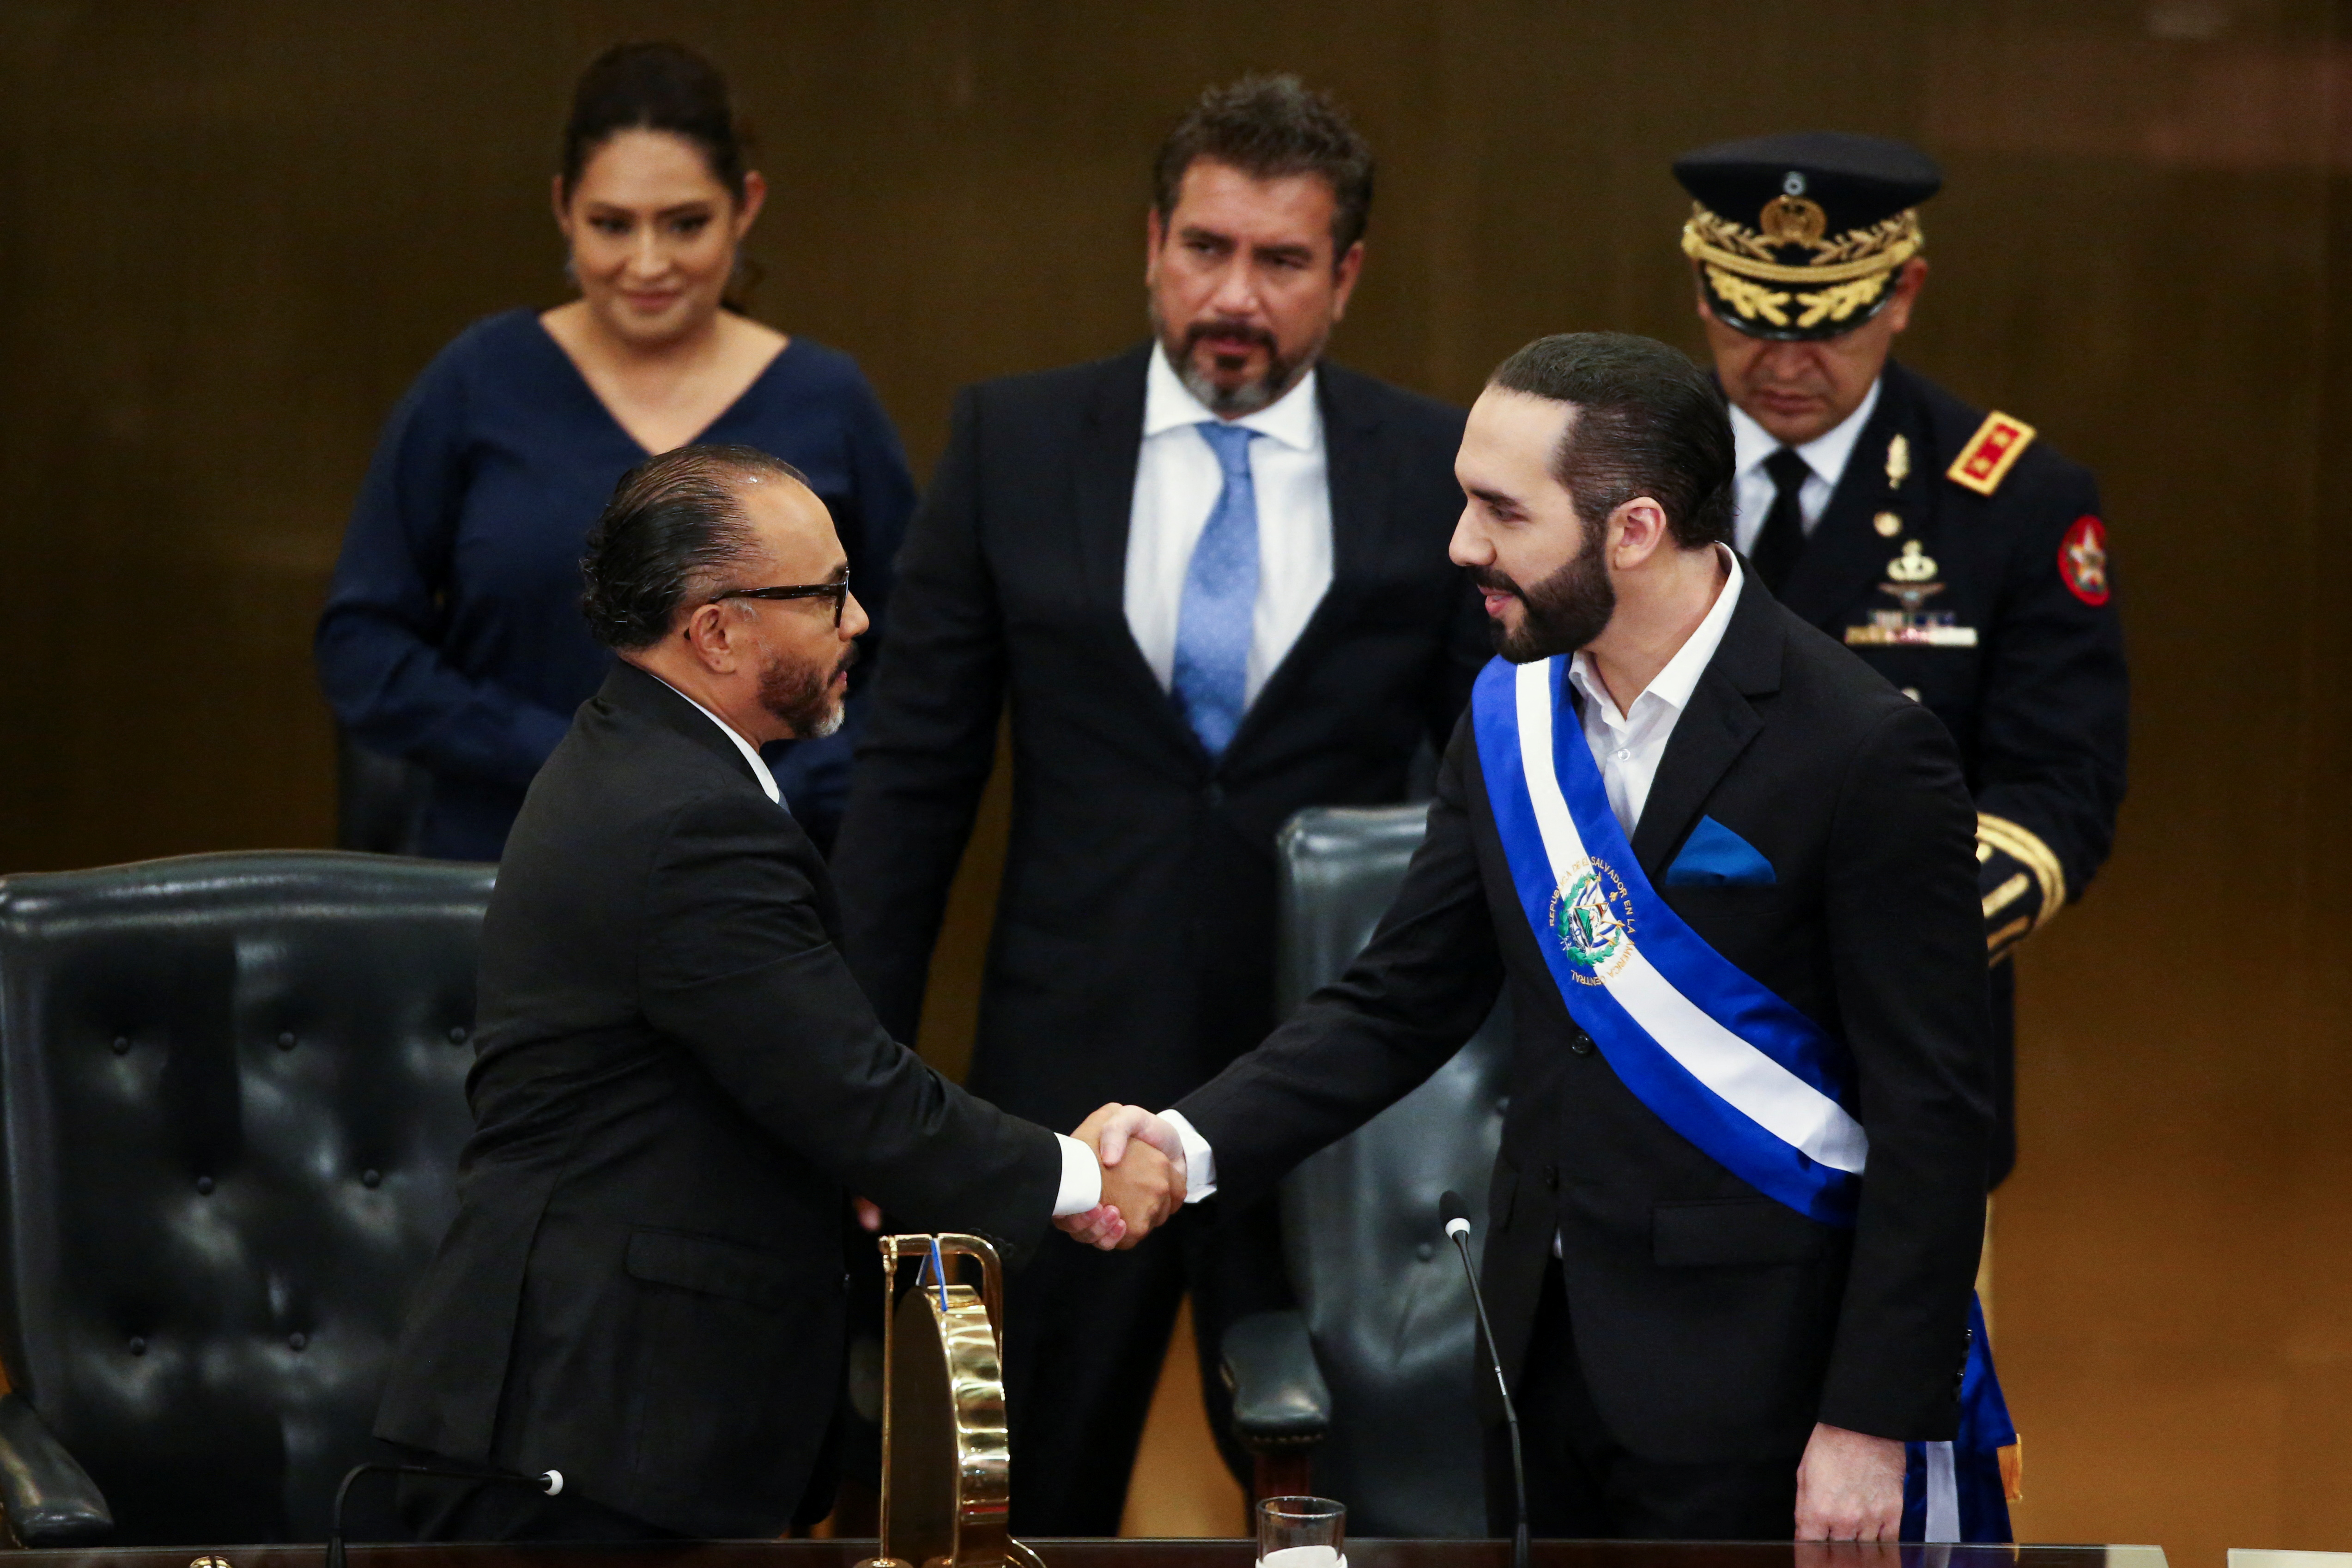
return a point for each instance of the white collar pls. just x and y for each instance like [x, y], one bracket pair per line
[1292, 419]
[1826, 454]
[750, 752]
[1673, 685]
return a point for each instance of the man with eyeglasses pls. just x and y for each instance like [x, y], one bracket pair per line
[677, 1084]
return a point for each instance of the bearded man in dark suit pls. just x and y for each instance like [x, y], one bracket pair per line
[677, 1084]
[1209, 577]
[1728, 874]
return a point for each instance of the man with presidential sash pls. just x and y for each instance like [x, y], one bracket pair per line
[1729, 876]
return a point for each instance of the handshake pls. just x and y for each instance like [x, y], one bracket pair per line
[1142, 1177]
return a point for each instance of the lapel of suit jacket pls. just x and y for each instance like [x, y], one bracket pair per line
[1355, 473]
[1844, 554]
[1716, 728]
[1110, 445]
[647, 696]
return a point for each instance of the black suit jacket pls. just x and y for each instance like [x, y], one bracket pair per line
[1712, 1322]
[676, 1081]
[2039, 703]
[1134, 942]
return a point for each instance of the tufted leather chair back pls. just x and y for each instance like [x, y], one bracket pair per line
[1386, 1308]
[380, 800]
[231, 1103]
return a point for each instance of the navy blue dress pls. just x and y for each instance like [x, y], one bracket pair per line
[453, 635]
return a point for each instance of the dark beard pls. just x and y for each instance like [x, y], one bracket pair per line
[802, 695]
[1560, 614]
[1281, 374]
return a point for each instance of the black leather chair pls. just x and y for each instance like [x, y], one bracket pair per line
[379, 799]
[231, 1103]
[1364, 1394]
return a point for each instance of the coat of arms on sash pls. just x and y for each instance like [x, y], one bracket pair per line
[1592, 914]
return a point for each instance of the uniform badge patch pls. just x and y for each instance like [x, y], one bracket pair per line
[1986, 460]
[2083, 560]
[1913, 565]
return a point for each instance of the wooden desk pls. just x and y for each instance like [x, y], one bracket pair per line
[1363, 1553]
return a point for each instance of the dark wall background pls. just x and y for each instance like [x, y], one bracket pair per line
[233, 232]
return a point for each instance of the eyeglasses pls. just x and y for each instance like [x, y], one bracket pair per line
[838, 590]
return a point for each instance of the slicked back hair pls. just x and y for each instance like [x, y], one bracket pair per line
[654, 87]
[1270, 127]
[670, 536]
[1647, 423]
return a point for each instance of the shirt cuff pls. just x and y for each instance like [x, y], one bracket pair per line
[1081, 1178]
[1199, 1160]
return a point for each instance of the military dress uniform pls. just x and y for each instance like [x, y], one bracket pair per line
[1957, 553]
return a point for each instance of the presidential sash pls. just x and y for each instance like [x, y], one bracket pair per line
[1757, 1086]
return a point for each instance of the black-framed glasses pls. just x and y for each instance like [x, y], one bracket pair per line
[838, 590]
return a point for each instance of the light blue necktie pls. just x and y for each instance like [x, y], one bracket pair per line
[1213, 620]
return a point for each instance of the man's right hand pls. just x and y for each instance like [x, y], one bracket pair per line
[1145, 1188]
[1849, 1487]
[1138, 1194]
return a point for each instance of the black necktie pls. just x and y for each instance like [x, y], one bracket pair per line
[1782, 538]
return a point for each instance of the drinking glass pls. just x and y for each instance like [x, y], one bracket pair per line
[1301, 1532]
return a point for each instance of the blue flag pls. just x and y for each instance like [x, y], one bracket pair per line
[1960, 1490]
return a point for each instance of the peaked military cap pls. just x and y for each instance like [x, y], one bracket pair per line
[1799, 235]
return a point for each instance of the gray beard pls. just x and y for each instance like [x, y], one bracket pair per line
[1268, 389]
[1234, 401]
[798, 696]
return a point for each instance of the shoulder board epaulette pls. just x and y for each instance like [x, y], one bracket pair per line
[1986, 460]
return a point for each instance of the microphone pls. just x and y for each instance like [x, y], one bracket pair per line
[548, 1481]
[1456, 1215]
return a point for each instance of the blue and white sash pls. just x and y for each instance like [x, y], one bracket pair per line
[1753, 1083]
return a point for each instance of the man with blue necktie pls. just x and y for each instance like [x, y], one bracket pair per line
[1209, 576]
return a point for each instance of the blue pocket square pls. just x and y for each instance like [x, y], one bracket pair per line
[1715, 856]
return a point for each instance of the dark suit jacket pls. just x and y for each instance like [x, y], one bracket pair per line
[1712, 1322]
[2040, 704]
[676, 1080]
[1134, 942]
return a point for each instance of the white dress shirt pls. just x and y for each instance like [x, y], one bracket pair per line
[1826, 455]
[1081, 1186]
[1627, 745]
[1177, 483]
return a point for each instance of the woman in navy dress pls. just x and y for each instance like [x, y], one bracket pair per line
[452, 634]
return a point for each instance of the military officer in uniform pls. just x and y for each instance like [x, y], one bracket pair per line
[1960, 554]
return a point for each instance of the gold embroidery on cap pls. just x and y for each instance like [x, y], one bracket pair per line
[1793, 220]
[1711, 238]
[1838, 303]
[1748, 298]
